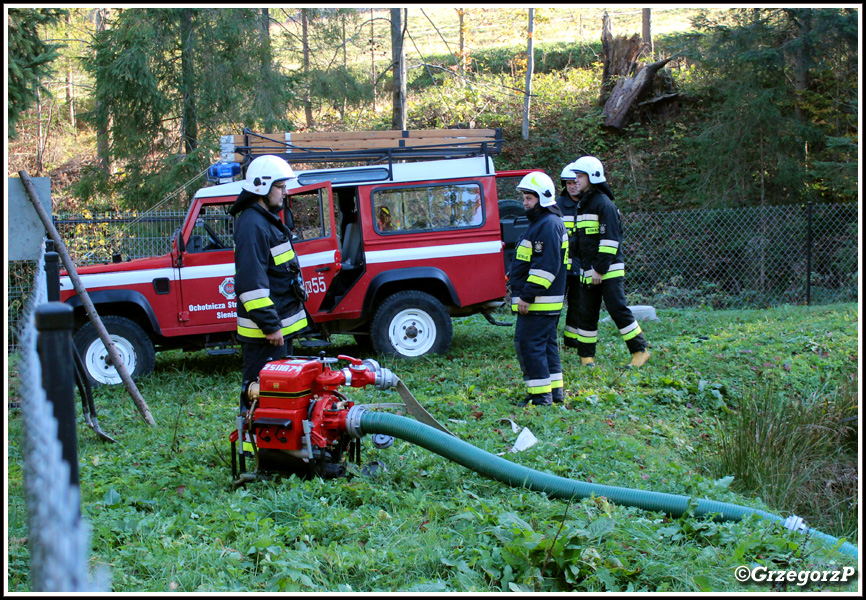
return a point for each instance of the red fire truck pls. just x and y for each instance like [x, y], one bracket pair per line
[391, 249]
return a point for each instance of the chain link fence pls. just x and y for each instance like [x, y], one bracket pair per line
[721, 258]
[58, 539]
[742, 258]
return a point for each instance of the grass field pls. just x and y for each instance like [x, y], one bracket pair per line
[165, 518]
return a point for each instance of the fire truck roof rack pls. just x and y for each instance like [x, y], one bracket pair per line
[372, 147]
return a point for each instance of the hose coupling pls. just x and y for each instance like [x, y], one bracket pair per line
[353, 421]
[385, 378]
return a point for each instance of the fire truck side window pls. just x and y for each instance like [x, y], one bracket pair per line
[311, 214]
[212, 231]
[425, 208]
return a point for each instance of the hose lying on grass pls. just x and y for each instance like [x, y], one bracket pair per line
[361, 421]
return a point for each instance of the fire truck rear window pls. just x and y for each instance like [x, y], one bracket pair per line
[425, 208]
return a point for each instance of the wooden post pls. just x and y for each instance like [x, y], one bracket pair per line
[530, 67]
[399, 20]
[89, 308]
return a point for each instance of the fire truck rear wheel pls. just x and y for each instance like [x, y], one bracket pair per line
[132, 343]
[410, 324]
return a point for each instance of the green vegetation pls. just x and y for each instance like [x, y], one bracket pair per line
[164, 517]
[766, 111]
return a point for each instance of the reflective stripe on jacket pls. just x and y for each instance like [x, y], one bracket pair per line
[540, 264]
[266, 269]
[598, 232]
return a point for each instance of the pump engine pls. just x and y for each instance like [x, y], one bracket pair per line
[293, 419]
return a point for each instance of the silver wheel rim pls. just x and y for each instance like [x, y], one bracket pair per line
[412, 332]
[97, 362]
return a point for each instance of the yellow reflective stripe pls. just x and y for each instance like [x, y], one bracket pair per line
[588, 337]
[546, 306]
[294, 323]
[251, 333]
[570, 332]
[284, 257]
[258, 303]
[538, 386]
[627, 335]
[538, 280]
[612, 274]
[607, 250]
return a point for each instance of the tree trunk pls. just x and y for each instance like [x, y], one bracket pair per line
[626, 92]
[70, 97]
[305, 41]
[606, 52]
[802, 57]
[398, 53]
[102, 140]
[39, 137]
[189, 121]
[461, 20]
[345, 62]
[373, 59]
[530, 67]
[647, 31]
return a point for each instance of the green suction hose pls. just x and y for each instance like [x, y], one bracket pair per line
[361, 421]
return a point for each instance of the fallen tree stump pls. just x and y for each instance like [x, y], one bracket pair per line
[626, 92]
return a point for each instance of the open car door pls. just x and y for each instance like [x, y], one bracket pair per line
[314, 237]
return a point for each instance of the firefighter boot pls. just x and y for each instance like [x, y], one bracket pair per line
[587, 361]
[638, 359]
[538, 400]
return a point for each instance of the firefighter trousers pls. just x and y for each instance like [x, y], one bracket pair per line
[611, 291]
[535, 342]
[572, 299]
[256, 356]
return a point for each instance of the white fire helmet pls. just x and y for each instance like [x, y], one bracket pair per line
[568, 173]
[541, 184]
[591, 166]
[264, 171]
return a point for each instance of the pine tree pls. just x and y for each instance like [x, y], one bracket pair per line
[30, 58]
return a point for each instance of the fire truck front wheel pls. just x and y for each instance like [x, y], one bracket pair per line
[409, 324]
[132, 343]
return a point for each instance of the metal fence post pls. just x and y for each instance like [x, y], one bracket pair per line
[54, 347]
[808, 252]
[52, 272]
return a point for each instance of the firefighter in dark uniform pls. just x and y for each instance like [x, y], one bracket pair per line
[268, 281]
[602, 265]
[537, 291]
[568, 204]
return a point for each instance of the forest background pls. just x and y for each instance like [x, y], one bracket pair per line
[124, 108]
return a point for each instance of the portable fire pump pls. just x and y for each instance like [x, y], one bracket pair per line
[294, 419]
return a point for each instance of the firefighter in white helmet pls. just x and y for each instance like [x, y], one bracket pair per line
[537, 281]
[599, 256]
[569, 204]
[268, 283]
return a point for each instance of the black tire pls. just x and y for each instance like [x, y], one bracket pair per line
[508, 209]
[410, 324]
[134, 345]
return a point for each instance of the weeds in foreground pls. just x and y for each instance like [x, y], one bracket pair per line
[797, 452]
[164, 517]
